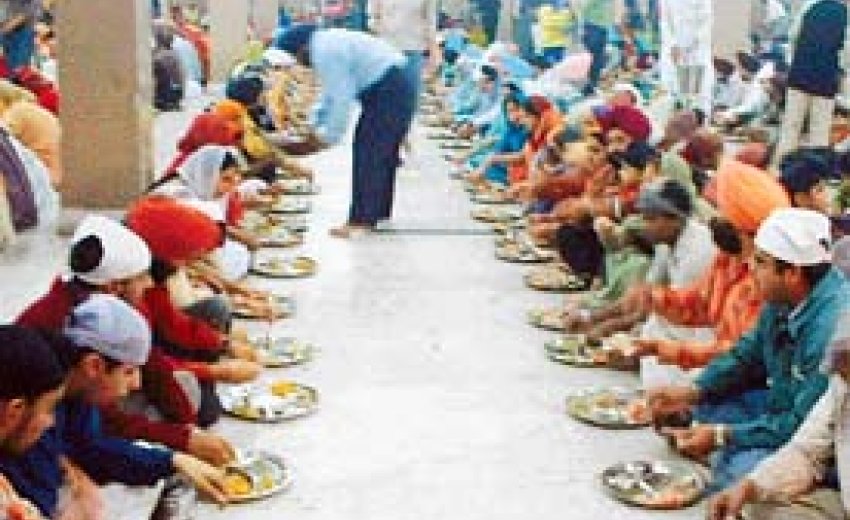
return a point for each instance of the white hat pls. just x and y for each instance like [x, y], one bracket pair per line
[797, 236]
[110, 327]
[124, 253]
[278, 58]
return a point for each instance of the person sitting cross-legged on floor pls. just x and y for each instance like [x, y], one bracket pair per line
[795, 482]
[106, 257]
[105, 343]
[751, 400]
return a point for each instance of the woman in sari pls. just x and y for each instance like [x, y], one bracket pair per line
[543, 122]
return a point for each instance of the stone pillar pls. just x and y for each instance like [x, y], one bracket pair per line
[228, 34]
[731, 27]
[106, 112]
[265, 17]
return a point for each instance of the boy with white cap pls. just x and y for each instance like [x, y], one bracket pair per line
[107, 343]
[750, 401]
[107, 257]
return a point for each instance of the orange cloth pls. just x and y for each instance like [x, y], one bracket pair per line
[725, 297]
[547, 127]
[746, 195]
[39, 130]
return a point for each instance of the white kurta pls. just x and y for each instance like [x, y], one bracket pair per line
[410, 25]
[687, 25]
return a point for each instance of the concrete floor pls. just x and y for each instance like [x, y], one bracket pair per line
[436, 399]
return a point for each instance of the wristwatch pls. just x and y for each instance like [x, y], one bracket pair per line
[720, 434]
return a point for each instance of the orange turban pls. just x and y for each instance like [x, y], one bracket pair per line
[231, 111]
[173, 230]
[746, 195]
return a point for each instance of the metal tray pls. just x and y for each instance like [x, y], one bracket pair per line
[278, 267]
[574, 350]
[658, 485]
[547, 319]
[284, 307]
[290, 206]
[493, 214]
[520, 255]
[282, 352]
[609, 408]
[298, 187]
[554, 278]
[265, 403]
[255, 476]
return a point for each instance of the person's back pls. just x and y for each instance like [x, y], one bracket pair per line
[366, 56]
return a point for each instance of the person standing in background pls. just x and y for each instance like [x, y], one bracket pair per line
[818, 43]
[490, 10]
[411, 26]
[598, 16]
[686, 52]
[555, 21]
[18, 31]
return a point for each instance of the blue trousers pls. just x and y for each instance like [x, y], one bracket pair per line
[595, 41]
[415, 65]
[732, 463]
[387, 111]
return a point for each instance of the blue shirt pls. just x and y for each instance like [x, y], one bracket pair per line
[38, 476]
[783, 353]
[347, 63]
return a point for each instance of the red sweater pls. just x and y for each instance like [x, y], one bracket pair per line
[50, 312]
[171, 324]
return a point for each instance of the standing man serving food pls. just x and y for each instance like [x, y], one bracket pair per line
[357, 67]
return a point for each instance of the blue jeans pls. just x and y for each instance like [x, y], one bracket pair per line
[732, 463]
[595, 40]
[19, 47]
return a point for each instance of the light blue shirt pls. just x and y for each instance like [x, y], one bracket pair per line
[346, 63]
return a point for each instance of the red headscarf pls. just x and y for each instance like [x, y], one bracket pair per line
[205, 129]
[173, 230]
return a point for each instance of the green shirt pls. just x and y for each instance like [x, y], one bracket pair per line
[790, 369]
[599, 12]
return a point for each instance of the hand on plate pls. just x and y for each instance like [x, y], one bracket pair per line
[695, 442]
[670, 400]
[206, 478]
[210, 448]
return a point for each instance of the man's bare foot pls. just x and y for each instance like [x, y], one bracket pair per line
[350, 230]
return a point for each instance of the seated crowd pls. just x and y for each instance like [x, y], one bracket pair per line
[723, 267]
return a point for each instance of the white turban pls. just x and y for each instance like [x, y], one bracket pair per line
[125, 254]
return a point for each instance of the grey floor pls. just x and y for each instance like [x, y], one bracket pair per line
[436, 400]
